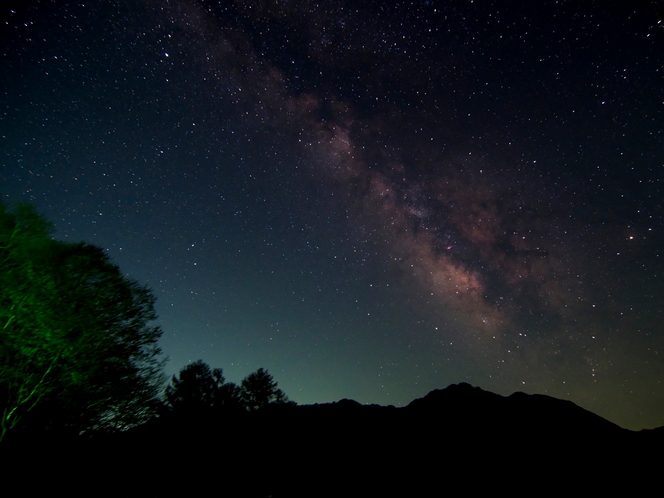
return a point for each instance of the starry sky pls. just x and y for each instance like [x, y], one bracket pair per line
[369, 199]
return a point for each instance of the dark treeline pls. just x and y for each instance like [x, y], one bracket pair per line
[199, 391]
[82, 388]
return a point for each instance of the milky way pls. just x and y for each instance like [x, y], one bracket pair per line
[370, 202]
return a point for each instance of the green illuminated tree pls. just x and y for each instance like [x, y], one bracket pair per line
[260, 389]
[76, 347]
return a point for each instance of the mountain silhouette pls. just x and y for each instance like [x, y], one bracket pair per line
[460, 439]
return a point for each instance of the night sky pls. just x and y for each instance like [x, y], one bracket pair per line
[369, 199]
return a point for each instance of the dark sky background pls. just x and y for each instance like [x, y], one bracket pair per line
[369, 199]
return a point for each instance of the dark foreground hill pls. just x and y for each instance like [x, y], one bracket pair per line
[457, 440]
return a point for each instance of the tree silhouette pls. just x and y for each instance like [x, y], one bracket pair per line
[76, 349]
[259, 389]
[197, 388]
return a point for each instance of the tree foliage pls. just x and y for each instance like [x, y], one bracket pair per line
[259, 389]
[198, 388]
[76, 347]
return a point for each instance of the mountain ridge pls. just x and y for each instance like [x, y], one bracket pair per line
[459, 434]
